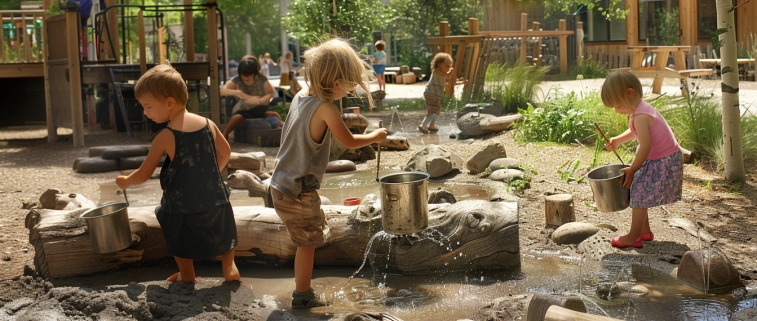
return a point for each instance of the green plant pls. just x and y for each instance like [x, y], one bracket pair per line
[412, 104]
[557, 120]
[661, 33]
[588, 69]
[568, 171]
[514, 87]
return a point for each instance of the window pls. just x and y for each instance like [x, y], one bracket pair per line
[708, 19]
[659, 22]
[597, 28]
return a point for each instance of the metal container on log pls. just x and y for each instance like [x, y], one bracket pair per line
[108, 227]
[404, 202]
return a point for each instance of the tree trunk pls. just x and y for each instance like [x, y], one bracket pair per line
[734, 162]
[63, 249]
[558, 209]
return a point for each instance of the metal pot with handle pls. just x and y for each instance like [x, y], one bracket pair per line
[404, 202]
[108, 227]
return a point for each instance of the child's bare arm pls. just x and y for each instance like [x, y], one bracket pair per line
[157, 150]
[231, 89]
[328, 116]
[223, 150]
[621, 139]
[643, 123]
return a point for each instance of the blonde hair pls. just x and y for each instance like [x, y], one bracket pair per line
[331, 61]
[162, 82]
[615, 86]
[439, 59]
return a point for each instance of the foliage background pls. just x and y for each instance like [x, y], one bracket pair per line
[315, 20]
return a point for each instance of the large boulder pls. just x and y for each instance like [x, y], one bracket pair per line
[470, 124]
[434, 160]
[479, 162]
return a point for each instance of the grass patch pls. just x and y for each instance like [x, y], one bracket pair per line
[514, 86]
[588, 69]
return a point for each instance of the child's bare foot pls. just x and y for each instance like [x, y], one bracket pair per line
[177, 276]
[423, 129]
[230, 273]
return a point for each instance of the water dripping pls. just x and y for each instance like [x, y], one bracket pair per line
[365, 258]
[391, 120]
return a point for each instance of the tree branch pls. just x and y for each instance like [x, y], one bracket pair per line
[739, 5]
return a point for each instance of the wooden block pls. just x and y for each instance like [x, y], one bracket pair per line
[558, 209]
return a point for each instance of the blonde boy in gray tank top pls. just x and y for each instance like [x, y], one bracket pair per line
[333, 69]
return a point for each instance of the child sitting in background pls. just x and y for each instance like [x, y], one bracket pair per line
[441, 72]
[195, 215]
[333, 69]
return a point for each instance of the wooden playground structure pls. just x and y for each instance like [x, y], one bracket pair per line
[474, 51]
[53, 51]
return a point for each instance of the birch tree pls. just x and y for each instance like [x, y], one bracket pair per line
[734, 162]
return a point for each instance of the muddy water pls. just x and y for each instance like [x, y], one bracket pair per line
[450, 296]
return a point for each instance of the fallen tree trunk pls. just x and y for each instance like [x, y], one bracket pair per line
[63, 248]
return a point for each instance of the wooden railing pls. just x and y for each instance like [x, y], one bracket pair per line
[21, 36]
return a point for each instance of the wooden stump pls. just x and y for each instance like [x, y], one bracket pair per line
[558, 209]
[557, 313]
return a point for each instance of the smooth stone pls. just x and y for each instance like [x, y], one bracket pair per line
[501, 163]
[117, 152]
[339, 166]
[505, 174]
[435, 156]
[573, 232]
[723, 275]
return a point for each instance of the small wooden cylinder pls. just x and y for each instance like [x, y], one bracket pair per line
[558, 209]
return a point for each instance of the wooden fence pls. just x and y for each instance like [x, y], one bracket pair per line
[21, 36]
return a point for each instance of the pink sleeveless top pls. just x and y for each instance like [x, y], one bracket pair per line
[664, 143]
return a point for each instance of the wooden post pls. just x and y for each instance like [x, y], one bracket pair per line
[563, 49]
[473, 63]
[18, 39]
[215, 109]
[27, 46]
[74, 76]
[632, 23]
[112, 21]
[524, 28]
[443, 32]
[537, 46]
[2, 41]
[142, 44]
[688, 21]
[189, 33]
[91, 116]
[580, 40]
[161, 45]
[558, 209]
[52, 132]
[459, 57]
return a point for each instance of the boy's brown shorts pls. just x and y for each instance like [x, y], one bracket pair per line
[302, 216]
[433, 104]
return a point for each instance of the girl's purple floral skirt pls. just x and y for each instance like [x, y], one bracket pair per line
[658, 182]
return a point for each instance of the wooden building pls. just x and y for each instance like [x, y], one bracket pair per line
[648, 22]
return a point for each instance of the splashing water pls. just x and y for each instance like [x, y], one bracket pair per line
[391, 120]
[379, 234]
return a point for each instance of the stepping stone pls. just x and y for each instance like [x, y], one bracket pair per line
[501, 163]
[573, 232]
[505, 174]
[339, 166]
[117, 152]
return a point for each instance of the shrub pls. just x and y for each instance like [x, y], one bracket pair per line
[559, 119]
[588, 69]
[513, 87]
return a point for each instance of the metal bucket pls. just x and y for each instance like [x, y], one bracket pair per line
[108, 227]
[404, 202]
[607, 185]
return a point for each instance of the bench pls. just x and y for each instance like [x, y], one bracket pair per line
[389, 76]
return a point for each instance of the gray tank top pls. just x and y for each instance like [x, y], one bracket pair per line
[301, 162]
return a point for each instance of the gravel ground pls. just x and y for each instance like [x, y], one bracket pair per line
[29, 166]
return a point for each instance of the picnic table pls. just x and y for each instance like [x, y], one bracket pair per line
[716, 61]
[661, 70]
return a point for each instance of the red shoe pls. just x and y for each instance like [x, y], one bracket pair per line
[617, 243]
[647, 237]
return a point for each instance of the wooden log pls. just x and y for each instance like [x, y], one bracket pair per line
[556, 313]
[485, 232]
[558, 209]
[499, 124]
[394, 143]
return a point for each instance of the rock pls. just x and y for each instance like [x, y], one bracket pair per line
[251, 162]
[495, 109]
[117, 152]
[95, 165]
[72, 202]
[357, 123]
[339, 166]
[420, 161]
[18, 304]
[440, 196]
[470, 124]
[394, 143]
[722, 274]
[500, 163]
[361, 154]
[537, 307]
[5, 257]
[573, 232]
[744, 315]
[99, 150]
[506, 175]
[482, 159]
[498, 124]
[47, 199]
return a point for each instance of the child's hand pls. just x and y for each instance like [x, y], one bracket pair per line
[629, 177]
[612, 144]
[121, 182]
[380, 134]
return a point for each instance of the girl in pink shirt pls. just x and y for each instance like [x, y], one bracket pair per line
[656, 175]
